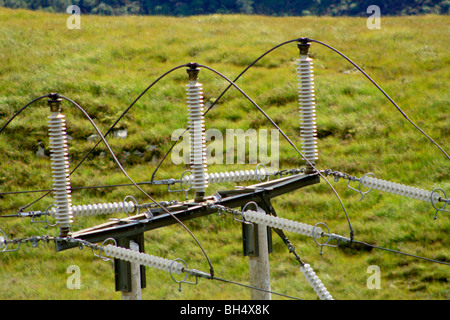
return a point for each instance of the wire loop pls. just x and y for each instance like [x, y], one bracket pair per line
[266, 174]
[4, 243]
[182, 189]
[359, 185]
[242, 212]
[185, 277]
[325, 244]
[100, 248]
[47, 212]
[433, 203]
[136, 205]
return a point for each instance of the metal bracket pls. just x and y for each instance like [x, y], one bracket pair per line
[122, 269]
[250, 236]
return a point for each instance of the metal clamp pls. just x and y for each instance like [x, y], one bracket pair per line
[359, 185]
[46, 213]
[4, 243]
[100, 248]
[330, 237]
[136, 205]
[185, 277]
[182, 189]
[445, 200]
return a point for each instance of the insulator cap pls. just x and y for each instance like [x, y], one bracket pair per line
[304, 48]
[54, 102]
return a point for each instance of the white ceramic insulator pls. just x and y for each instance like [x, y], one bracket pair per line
[142, 259]
[400, 189]
[231, 176]
[197, 136]
[60, 169]
[307, 108]
[315, 282]
[100, 209]
[281, 223]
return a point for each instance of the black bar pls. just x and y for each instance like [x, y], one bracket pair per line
[131, 226]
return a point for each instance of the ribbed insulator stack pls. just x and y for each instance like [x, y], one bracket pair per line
[60, 170]
[196, 122]
[100, 209]
[231, 176]
[143, 259]
[307, 105]
[281, 223]
[315, 282]
[399, 189]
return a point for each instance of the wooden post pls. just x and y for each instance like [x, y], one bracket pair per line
[136, 292]
[258, 266]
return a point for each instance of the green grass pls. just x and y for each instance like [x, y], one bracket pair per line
[111, 60]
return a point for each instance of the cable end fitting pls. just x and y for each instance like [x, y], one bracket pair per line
[193, 71]
[303, 45]
[54, 102]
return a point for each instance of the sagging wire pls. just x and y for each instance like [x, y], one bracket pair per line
[108, 251]
[382, 91]
[136, 185]
[21, 109]
[218, 98]
[107, 132]
[286, 138]
[53, 95]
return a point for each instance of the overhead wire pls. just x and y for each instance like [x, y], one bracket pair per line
[400, 252]
[287, 139]
[77, 188]
[218, 98]
[383, 92]
[136, 185]
[107, 132]
[21, 109]
[231, 83]
[116, 161]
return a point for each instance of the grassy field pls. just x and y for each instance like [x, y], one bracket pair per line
[106, 64]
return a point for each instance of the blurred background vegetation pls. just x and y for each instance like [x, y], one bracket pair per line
[263, 7]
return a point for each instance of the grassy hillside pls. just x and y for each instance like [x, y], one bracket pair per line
[106, 64]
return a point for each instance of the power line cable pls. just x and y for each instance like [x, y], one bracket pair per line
[287, 139]
[107, 132]
[135, 184]
[116, 161]
[255, 288]
[382, 91]
[218, 98]
[400, 252]
[20, 110]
